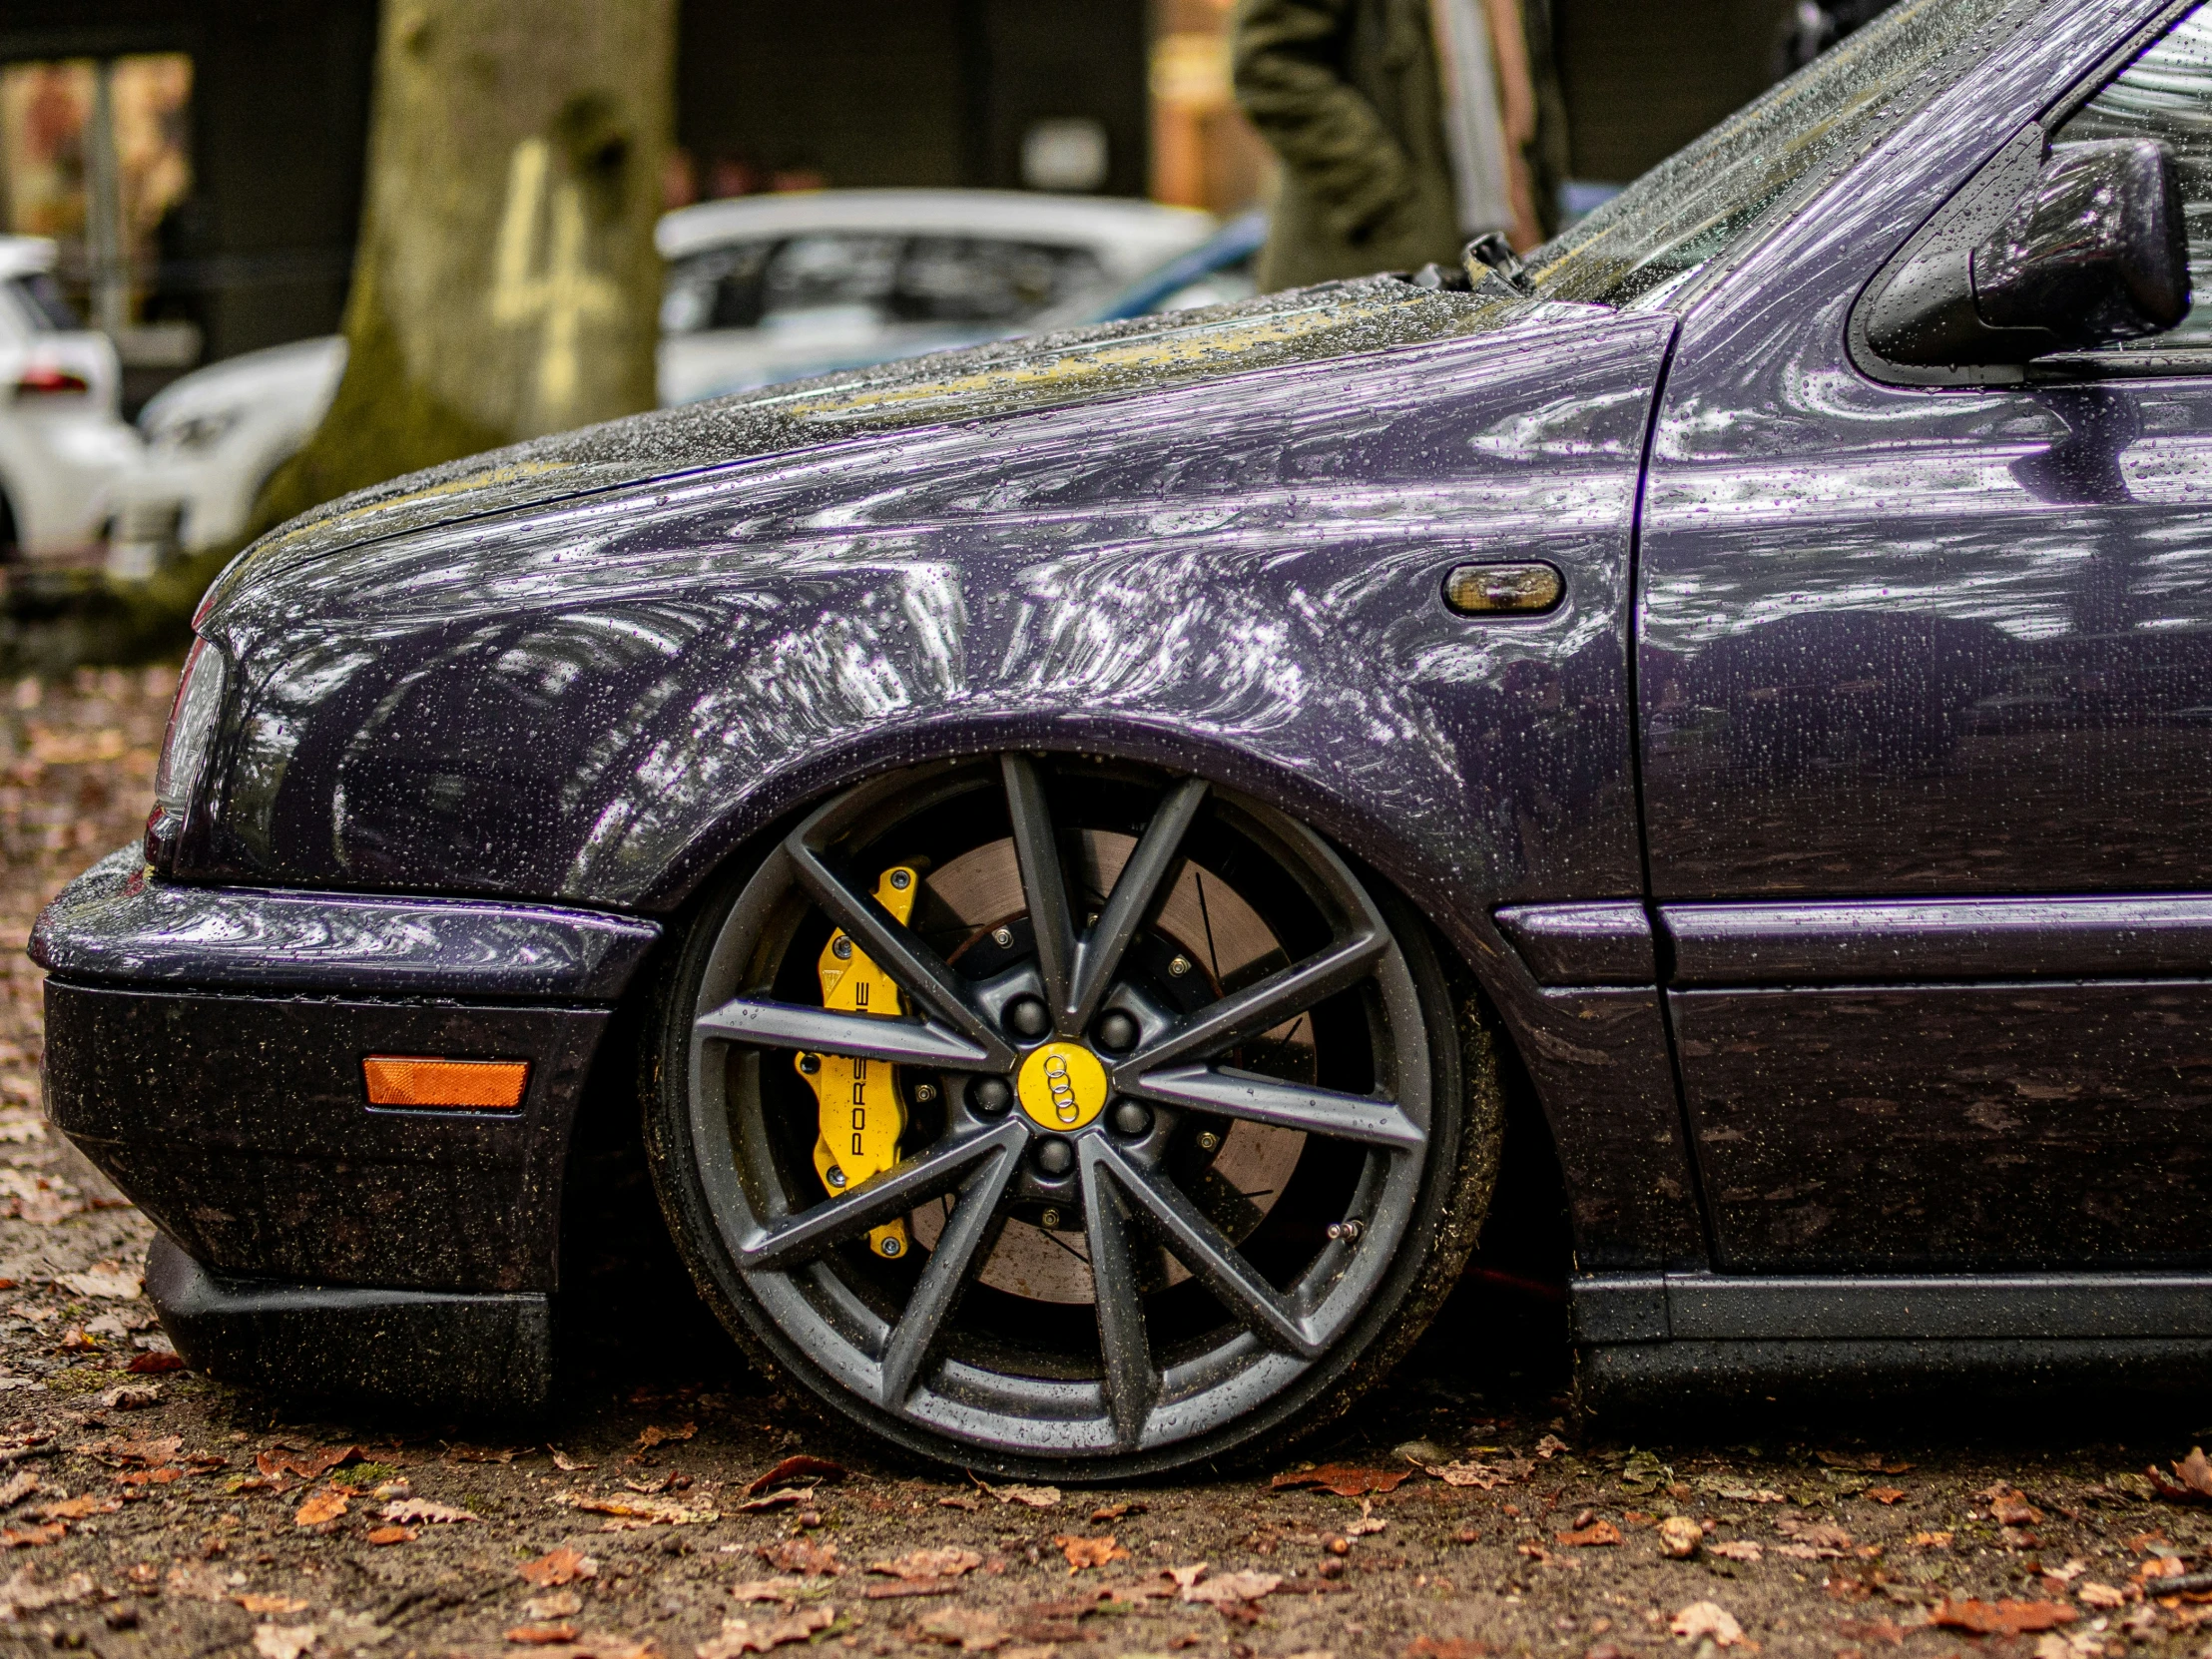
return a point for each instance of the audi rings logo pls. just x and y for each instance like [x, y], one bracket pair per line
[1064, 1104]
[1062, 1086]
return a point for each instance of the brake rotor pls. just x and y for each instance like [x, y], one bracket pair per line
[1225, 939]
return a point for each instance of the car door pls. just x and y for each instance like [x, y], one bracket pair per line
[1925, 700]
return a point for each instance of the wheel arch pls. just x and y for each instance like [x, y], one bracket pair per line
[1460, 926]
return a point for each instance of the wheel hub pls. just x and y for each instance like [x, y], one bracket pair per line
[1062, 1086]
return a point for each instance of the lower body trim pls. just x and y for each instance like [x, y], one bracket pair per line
[1647, 1341]
[458, 1351]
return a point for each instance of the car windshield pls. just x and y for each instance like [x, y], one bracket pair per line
[1698, 204]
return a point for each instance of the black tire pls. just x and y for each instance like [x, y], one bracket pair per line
[1234, 1317]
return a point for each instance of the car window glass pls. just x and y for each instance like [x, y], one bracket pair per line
[830, 271]
[2166, 94]
[1698, 205]
[718, 287]
[39, 298]
[982, 280]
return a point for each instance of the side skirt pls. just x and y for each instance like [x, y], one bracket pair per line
[1646, 1342]
[475, 1355]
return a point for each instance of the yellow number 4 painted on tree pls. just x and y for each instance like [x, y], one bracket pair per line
[862, 1113]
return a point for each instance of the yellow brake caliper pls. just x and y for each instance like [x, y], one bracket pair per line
[862, 1115]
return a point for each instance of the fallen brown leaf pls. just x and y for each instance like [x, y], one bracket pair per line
[1029, 1497]
[759, 1635]
[1089, 1552]
[801, 1555]
[1738, 1549]
[558, 1566]
[542, 1635]
[1233, 1587]
[31, 1537]
[1707, 1618]
[270, 1604]
[77, 1509]
[1343, 1480]
[2103, 1597]
[794, 1468]
[1885, 1495]
[410, 1511]
[567, 1464]
[970, 1629]
[284, 1641]
[779, 1498]
[653, 1434]
[326, 1505]
[393, 1534]
[1931, 1540]
[2003, 1618]
[948, 1562]
[153, 1362]
[1680, 1537]
[1598, 1532]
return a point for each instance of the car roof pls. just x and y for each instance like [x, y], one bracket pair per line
[22, 255]
[1126, 233]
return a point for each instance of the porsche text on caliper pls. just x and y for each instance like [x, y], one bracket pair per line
[861, 1114]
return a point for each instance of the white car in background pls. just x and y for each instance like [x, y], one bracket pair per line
[212, 439]
[767, 289]
[62, 444]
[758, 289]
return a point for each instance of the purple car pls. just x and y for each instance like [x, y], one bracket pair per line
[1078, 865]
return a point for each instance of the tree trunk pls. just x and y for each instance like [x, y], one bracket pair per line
[507, 283]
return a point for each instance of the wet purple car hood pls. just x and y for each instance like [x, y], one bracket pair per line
[1004, 378]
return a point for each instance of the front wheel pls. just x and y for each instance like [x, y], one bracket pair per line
[1068, 1120]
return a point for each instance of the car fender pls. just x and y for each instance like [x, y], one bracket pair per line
[600, 701]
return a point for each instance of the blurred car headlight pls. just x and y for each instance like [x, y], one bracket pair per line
[188, 434]
[192, 724]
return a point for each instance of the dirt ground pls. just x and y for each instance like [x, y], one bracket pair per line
[688, 1509]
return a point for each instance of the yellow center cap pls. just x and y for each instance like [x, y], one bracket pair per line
[1063, 1085]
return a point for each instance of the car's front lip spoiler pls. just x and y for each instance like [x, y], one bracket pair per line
[471, 1352]
[116, 925]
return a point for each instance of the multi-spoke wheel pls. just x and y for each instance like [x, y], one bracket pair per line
[1059, 1117]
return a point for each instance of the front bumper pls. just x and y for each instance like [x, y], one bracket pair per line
[204, 1049]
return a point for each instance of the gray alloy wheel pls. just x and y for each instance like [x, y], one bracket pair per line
[1187, 1145]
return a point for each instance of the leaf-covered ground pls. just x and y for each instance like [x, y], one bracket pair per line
[688, 1509]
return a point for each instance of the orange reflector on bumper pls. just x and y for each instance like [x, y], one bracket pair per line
[480, 1085]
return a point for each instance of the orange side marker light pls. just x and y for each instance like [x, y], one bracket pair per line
[469, 1085]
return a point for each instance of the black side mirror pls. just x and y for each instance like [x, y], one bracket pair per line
[2095, 254]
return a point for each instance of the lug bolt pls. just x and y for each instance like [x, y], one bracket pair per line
[836, 1177]
[890, 1247]
[1054, 1157]
[1131, 1119]
[1002, 936]
[902, 879]
[1207, 1139]
[1117, 1030]
[1028, 1017]
[990, 1095]
[810, 1063]
[1051, 1219]
[1347, 1230]
[1179, 966]
[840, 947]
[925, 1092]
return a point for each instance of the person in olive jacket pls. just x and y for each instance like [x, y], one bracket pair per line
[1404, 128]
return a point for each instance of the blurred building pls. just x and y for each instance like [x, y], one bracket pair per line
[201, 160]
